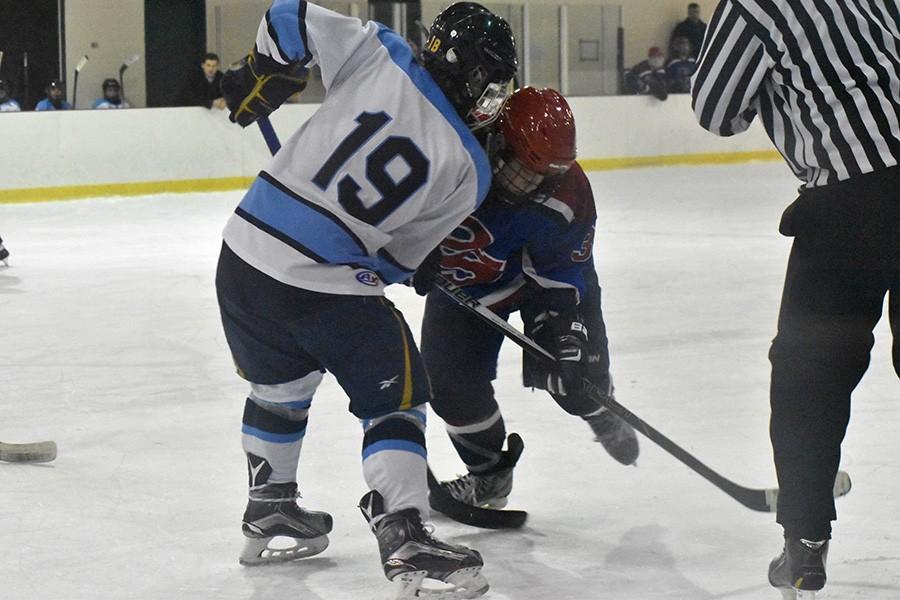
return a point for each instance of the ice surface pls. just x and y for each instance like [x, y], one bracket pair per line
[111, 346]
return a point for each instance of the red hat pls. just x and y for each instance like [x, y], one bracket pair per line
[655, 51]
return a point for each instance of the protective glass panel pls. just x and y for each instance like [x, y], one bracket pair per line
[592, 49]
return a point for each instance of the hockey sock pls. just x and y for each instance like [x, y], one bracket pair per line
[274, 424]
[393, 457]
[480, 444]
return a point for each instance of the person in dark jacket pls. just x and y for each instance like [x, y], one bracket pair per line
[680, 67]
[693, 28]
[203, 87]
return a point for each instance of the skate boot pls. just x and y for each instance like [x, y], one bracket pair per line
[272, 511]
[490, 489]
[799, 571]
[617, 436]
[410, 555]
[4, 254]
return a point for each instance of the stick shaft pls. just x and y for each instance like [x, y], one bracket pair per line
[753, 499]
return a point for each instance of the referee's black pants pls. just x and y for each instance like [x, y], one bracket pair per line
[844, 260]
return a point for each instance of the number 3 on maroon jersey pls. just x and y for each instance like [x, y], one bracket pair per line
[587, 245]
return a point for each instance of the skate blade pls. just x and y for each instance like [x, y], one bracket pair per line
[257, 551]
[462, 584]
[795, 594]
[32, 452]
[496, 503]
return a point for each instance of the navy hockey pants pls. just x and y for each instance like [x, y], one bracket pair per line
[279, 333]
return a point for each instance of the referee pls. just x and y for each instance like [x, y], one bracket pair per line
[824, 76]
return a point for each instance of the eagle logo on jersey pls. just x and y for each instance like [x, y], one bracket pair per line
[367, 278]
[464, 257]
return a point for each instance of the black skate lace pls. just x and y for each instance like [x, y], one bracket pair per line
[470, 488]
[463, 488]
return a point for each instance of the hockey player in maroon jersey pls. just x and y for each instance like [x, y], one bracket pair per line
[527, 248]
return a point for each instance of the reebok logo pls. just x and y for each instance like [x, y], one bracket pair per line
[383, 385]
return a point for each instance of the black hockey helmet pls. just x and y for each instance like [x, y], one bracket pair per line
[56, 89]
[471, 54]
[109, 82]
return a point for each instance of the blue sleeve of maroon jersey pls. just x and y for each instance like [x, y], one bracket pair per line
[559, 258]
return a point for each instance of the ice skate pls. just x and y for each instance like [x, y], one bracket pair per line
[617, 436]
[4, 254]
[491, 489]
[799, 571]
[419, 565]
[272, 512]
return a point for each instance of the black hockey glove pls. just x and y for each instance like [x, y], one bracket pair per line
[256, 85]
[423, 278]
[566, 338]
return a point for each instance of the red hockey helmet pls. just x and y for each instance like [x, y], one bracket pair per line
[539, 130]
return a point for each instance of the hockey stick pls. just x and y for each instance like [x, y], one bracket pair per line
[268, 133]
[763, 500]
[438, 497]
[33, 452]
[81, 63]
[476, 516]
[128, 62]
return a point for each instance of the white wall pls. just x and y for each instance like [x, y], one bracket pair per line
[109, 147]
[642, 126]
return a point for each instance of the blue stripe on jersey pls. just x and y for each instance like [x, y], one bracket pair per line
[401, 445]
[403, 57]
[311, 225]
[311, 229]
[390, 269]
[288, 18]
[275, 438]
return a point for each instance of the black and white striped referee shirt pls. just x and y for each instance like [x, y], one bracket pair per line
[823, 74]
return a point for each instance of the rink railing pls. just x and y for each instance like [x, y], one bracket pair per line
[81, 154]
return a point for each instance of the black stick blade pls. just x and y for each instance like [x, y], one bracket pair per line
[485, 518]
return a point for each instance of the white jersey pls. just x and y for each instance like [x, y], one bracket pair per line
[10, 106]
[374, 180]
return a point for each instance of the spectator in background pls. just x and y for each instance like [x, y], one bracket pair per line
[680, 67]
[54, 99]
[112, 96]
[693, 28]
[203, 87]
[648, 76]
[7, 104]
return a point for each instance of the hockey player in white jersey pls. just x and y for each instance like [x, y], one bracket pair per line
[355, 199]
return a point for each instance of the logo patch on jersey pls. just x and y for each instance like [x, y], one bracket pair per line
[367, 278]
[383, 385]
[465, 259]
